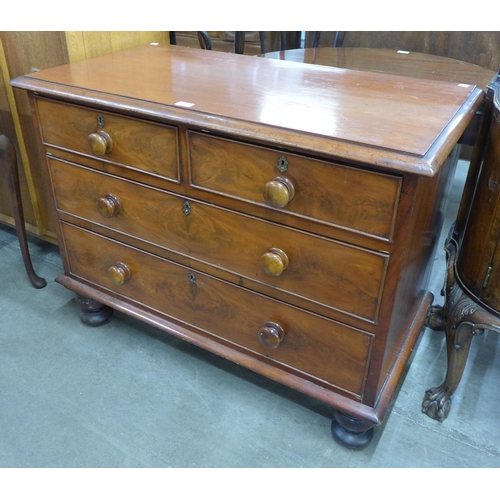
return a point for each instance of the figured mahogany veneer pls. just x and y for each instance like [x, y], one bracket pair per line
[284, 218]
[137, 144]
[211, 305]
[328, 192]
[318, 269]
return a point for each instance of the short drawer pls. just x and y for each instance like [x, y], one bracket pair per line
[348, 197]
[298, 341]
[137, 144]
[330, 273]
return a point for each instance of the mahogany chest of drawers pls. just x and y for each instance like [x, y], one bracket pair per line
[279, 214]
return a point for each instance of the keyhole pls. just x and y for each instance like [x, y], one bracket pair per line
[282, 164]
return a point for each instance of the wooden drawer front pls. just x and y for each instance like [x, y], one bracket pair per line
[335, 275]
[137, 144]
[313, 345]
[332, 194]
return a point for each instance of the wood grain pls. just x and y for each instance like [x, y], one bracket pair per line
[83, 45]
[330, 193]
[477, 263]
[337, 276]
[481, 48]
[369, 159]
[394, 62]
[376, 114]
[328, 351]
[137, 144]
[27, 51]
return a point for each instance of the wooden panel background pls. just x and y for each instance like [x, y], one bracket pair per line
[86, 44]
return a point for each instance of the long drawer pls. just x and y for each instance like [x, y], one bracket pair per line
[306, 343]
[137, 144]
[336, 275]
[330, 193]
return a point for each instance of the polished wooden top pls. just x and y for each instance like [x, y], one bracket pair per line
[396, 62]
[392, 121]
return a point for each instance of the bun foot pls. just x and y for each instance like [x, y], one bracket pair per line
[91, 312]
[351, 432]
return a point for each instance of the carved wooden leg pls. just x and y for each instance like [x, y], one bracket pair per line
[437, 400]
[351, 432]
[8, 158]
[463, 318]
[91, 312]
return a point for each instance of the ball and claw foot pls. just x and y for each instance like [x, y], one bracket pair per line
[435, 318]
[91, 312]
[437, 403]
[351, 432]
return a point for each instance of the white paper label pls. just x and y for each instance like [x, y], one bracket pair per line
[184, 104]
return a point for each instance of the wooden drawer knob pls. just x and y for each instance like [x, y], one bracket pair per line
[100, 143]
[279, 192]
[109, 205]
[271, 334]
[119, 273]
[274, 262]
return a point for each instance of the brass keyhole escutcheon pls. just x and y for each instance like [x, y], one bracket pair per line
[186, 208]
[282, 164]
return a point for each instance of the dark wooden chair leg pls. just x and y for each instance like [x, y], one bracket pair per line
[239, 42]
[9, 160]
[204, 40]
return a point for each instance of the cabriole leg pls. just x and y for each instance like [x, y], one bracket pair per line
[462, 319]
[9, 159]
[437, 400]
